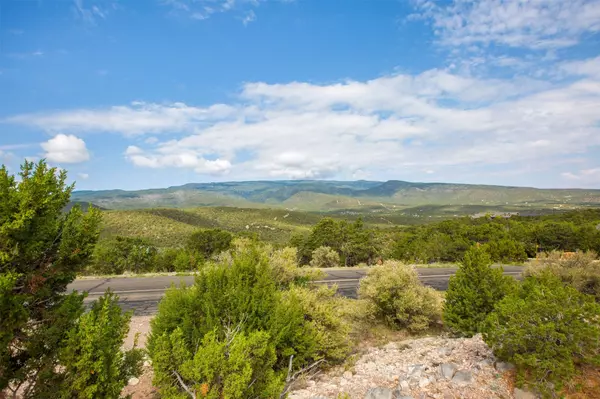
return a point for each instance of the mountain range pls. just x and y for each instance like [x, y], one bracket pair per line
[336, 196]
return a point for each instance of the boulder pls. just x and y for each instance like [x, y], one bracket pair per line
[379, 393]
[462, 377]
[447, 370]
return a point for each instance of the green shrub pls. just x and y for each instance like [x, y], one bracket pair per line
[473, 292]
[187, 261]
[165, 260]
[324, 319]
[545, 328]
[399, 297]
[123, 254]
[94, 364]
[325, 257]
[238, 365]
[581, 270]
[237, 302]
[286, 271]
[209, 242]
[506, 251]
[359, 314]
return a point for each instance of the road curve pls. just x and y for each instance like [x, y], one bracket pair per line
[142, 294]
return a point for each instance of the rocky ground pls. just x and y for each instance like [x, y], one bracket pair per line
[432, 367]
[422, 368]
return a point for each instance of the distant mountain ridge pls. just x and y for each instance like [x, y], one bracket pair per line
[327, 195]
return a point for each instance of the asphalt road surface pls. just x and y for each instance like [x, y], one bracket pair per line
[142, 294]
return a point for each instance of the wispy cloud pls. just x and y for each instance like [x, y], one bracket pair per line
[25, 55]
[250, 17]
[540, 24]
[204, 9]
[91, 14]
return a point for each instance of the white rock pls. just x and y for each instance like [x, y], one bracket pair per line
[404, 386]
[423, 382]
[347, 375]
[414, 370]
[133, 381]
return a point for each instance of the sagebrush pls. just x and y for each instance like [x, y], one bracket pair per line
[399, 297]
[579, 269]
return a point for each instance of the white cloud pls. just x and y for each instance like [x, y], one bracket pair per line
[65, 149]
[182, 159]
[589, 67]
[83, 175]
[391, 126]
[535, 24]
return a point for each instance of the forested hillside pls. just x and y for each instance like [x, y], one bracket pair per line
[307, 195]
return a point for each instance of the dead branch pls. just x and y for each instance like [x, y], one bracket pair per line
[185, 387]
[289, 380]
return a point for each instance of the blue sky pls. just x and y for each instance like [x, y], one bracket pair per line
[138, 94]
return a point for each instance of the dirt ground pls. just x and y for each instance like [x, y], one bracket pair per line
[140, 388]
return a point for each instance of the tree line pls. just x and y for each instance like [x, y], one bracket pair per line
[333, 242]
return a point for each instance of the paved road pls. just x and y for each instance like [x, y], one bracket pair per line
[143, 293]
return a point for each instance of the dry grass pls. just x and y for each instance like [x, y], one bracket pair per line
[586, 385]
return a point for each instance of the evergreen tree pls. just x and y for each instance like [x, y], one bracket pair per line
[546, 328]
[473, 292]
[209, 242]
[41, 250]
